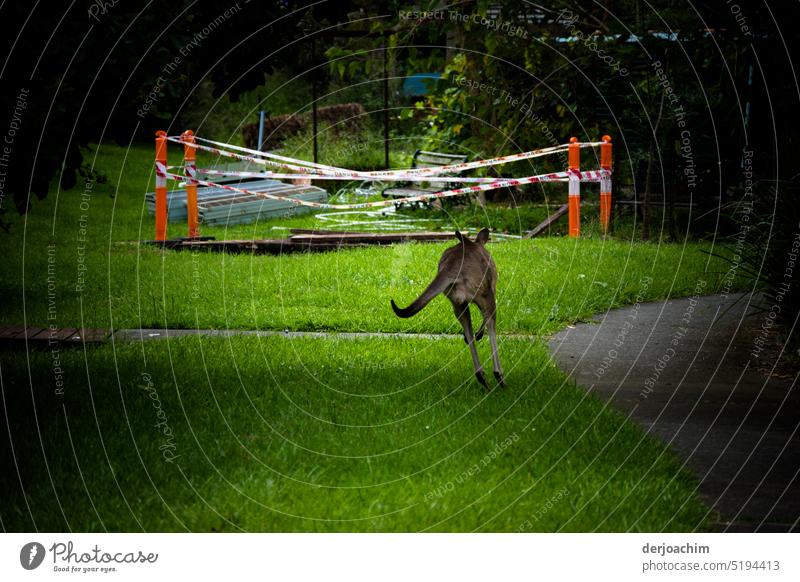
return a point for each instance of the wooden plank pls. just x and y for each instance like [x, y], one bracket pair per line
[547, 222]
[310, 242]
[43, 335]
[89, 335]
[322, 231]
[227, 246]
[168, 244]
[356, 232]
[40, 335]
[274, 247]
[20, 332]
[372, 237]
[31, 333]
[11, 331]
[64, 334]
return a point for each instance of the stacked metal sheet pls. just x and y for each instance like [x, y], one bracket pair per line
[246, 208]
[176, 199]
[221, 206]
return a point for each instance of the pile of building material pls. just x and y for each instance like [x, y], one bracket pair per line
[219, 206]
[238, 208]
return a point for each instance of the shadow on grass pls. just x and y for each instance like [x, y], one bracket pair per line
[305, 434]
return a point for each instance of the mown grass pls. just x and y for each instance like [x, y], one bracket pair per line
[324, 435]
[98, 274]
[543, 285]
[314, 434]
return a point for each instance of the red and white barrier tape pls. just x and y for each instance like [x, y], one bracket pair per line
[191, 173]
[286, 166]
[315, 170]
[435, 169]
[161, 175]
[398, 177]
[253, 153]
[587, 176]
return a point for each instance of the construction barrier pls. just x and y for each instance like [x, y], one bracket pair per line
[300, 169]
[605, 184]
[161, 185]
[190, 169]
[574, 199]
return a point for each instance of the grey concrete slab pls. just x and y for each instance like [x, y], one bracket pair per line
[690, 373]
[146, 334]
[162, 334]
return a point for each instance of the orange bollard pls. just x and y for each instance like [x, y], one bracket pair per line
[161, 185]
[190, 169]
[605, 184]
[574, 152]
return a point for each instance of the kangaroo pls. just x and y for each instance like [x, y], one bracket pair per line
[467, 274]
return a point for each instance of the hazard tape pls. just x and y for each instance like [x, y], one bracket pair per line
[191, 173]
[286, 166]
[314, 170]
[424, 170]
[270, 155]
[586, 176]
[309, 170]
[398, 177]
[161, 175]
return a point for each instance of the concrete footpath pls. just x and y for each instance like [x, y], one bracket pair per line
[685, 371]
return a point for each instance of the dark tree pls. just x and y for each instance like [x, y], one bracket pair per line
[106, 70]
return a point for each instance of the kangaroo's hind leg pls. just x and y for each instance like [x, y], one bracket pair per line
[481, 329]
[489, 310]
[462, 314]
[479, 333]
[498, 370]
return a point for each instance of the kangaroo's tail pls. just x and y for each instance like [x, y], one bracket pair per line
[438, 285]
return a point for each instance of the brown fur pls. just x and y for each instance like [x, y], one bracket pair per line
[467, 274]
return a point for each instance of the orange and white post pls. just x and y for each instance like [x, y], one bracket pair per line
[161, 185]
[605, 184]
[190, 170]
[574, 153]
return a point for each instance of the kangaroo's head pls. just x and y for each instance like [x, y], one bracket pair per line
[481, 239]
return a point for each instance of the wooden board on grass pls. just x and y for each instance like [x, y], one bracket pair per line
[548, 222]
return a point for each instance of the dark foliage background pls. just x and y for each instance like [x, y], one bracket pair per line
[87, 69]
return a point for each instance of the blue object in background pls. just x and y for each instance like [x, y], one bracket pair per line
[419, 84]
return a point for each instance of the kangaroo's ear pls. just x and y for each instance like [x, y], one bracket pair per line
[482, 237]
[460, 236]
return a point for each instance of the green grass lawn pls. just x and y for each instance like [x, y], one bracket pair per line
[326, 435]
[315, 434]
